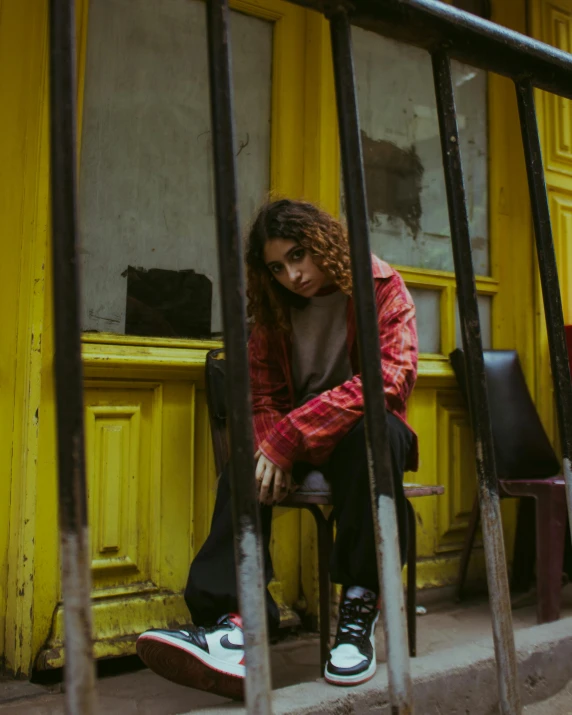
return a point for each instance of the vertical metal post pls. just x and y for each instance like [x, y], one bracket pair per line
[385, 520]
[503, 635]
[76, 582]
[251, 588]
[548, 276]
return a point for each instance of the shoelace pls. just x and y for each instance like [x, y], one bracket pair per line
[355, 620]
[222, 621]
[197, 635]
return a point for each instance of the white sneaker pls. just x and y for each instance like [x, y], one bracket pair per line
[352, 659]
[210, 659]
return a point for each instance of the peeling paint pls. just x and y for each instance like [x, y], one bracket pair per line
[394, 621]
[76, 587]
[252, 598]
[393, 181]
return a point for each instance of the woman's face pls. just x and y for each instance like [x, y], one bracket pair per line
[293, 267]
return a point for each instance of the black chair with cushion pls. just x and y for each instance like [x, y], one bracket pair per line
[311, 494]
[528, 468]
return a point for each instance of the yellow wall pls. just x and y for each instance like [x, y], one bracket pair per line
[23, 230]
[511, 228]
[552, 22]
[148, 446]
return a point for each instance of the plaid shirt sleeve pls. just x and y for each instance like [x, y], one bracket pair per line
[271, 399]
[310, 432]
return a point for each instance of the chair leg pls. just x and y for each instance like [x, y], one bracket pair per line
[524, 546]
[467, 547]
[324, 528]
[551, 520]
[411, 579]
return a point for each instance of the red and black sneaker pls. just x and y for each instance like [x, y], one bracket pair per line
[210, 659]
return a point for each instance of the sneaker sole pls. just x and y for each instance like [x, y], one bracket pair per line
[187, 667]
[357, 679]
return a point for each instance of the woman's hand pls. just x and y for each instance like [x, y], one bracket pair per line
[274, 484]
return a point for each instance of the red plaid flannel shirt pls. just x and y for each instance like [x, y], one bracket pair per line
[310, 432]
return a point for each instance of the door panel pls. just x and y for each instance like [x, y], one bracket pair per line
[123, 435]
[140, 463]
[552, 23]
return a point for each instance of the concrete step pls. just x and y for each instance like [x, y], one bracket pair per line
[453, 675]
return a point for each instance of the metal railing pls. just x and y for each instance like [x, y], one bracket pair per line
[74, 535]
[446, 34]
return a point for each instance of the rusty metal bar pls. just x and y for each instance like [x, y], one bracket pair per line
[432, 24]
[74, 536]
[548, 276]
[385, 520]
[251, 587]
[503, 635]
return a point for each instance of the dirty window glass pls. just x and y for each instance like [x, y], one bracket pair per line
[146, 176]
[428, 314]
[402, 155]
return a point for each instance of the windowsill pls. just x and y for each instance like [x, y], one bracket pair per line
[144, 341]
[172, 358]
[434, 366]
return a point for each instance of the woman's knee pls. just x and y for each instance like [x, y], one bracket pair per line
[398, 435]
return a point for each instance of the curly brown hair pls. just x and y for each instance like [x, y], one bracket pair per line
[318, 232]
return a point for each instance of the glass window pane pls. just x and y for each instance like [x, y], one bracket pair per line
[146, 175]
[428, 311]
[485, 315]
[407, 203]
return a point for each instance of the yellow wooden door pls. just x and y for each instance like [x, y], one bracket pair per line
[551, 22]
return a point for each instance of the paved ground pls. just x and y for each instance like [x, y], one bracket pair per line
[560, 704]
[295, 661]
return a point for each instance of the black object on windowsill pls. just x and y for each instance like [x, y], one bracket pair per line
[167, 303]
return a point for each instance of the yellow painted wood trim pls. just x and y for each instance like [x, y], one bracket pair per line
[510, 226]
[271, 11]
[117, 635]
[141, 341]
[23, 29]
[561, 216]
[558, 182]
[428, 278]
[448, 319]
[288, 57]
[322, 170]
[155, 506]
[153, 352]
[444, 282]
[140, 361]
[434, 366]
[287, 147]
[82, 13]
[193, 471]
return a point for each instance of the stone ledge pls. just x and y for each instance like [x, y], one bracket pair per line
[457, 681]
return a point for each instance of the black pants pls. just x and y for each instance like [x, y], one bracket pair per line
[211, 588]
